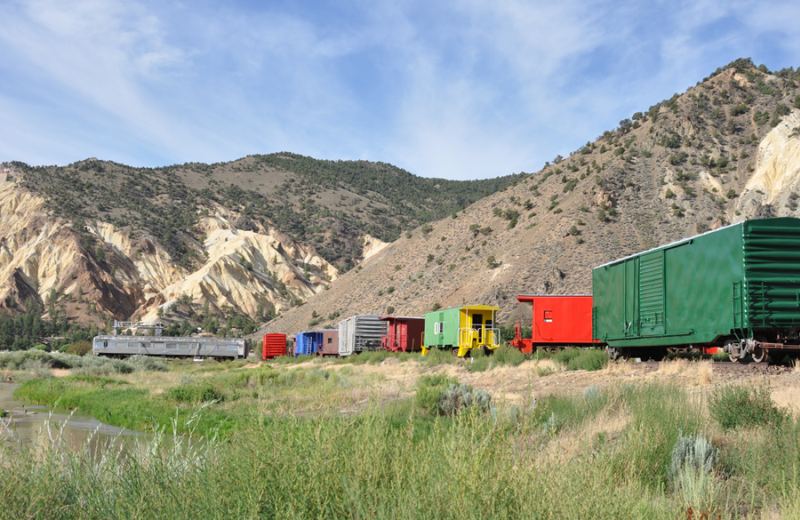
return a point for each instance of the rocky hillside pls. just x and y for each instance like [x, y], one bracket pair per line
[98, 240]
[100, 272]
[723, 151]
[330, 205]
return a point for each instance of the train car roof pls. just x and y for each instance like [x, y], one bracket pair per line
[467, 307]
[677, 242]
[162, 338]
[387, 318]
[530, 297]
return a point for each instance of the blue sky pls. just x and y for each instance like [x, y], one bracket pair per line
[462, 90]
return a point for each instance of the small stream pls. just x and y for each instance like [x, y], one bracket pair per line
[25, 421]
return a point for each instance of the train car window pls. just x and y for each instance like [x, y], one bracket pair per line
[172, 345]
[548, 316]
[330, 340]
[441, 327]
[105, 343]
[436, 327]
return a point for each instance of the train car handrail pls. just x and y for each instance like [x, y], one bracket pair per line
[465, 335]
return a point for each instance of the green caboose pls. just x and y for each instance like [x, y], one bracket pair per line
[463, 328]
[737, 287]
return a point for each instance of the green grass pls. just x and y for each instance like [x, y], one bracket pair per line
[227, 396]
[582, 358]
[398, 461]
[115, 403]
[402, 460]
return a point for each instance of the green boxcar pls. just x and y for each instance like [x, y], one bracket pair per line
[463, 328]
[737, 287]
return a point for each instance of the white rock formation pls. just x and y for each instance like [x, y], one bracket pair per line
[777, 172]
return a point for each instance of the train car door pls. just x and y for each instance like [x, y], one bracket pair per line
[631, 298]
[651, 294]
[477, 324]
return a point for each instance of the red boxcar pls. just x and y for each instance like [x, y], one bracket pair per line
[557, 320]
[274, 345]
[330, 343]
[404, 333]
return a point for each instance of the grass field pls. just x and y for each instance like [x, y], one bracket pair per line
[338, 440]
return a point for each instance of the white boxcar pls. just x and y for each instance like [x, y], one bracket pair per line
[361, 332]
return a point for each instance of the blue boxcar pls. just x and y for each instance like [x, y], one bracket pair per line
[307, 343]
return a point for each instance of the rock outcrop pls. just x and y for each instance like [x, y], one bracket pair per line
[776, 180]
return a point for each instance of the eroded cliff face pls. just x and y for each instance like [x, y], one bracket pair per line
[245, 268]
[774, 187]
[42, 257]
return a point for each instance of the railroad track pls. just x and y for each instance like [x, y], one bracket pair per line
[747, 368]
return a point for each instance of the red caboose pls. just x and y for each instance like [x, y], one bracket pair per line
[404, 334]
[274, 345]
[556, 321]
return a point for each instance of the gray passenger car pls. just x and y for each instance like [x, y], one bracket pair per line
[213, 348]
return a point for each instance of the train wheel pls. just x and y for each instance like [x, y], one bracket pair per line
[732, 346]
[759, 354]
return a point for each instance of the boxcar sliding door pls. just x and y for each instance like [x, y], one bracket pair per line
[631, 298]
[651, 294]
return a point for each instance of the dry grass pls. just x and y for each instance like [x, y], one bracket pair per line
[787, 397]
[694, 372]
[621, 368]
[571, 443]
[543, 367]
[705, 371]
[676, 366]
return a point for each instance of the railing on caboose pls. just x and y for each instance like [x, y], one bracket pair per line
[395, 341]
[479, 336]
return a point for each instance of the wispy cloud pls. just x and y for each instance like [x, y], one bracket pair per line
[454, 89]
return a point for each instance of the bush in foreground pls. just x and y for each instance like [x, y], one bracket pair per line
[742, 407]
